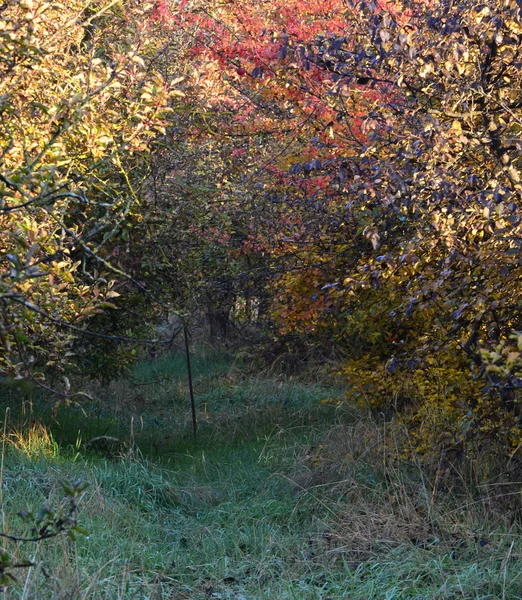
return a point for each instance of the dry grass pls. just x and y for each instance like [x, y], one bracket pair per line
[34, 441]
[383, 501]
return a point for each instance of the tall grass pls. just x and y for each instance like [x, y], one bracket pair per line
[282, 496]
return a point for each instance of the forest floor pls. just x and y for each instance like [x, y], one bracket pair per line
[288, 492]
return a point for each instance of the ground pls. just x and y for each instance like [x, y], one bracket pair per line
[288, 492]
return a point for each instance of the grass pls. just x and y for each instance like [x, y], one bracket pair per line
[281, 496]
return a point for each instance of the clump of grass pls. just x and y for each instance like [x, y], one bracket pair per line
[33, 441]
[385, 503]
[152, 410]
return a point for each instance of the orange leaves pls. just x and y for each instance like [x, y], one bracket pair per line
[364, 168]
[375, 147]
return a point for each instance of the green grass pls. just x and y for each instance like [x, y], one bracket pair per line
[280, 497]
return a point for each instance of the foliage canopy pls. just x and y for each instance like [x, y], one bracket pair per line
[344, 175]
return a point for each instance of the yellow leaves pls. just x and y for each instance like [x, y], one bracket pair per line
[456, 126]
[484, 12]
[138, 60]
[434, 397]
[425, 69]
[67, 113]
[514, 174]
[514, 26]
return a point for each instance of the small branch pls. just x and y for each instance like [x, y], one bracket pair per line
[116, 338]
[39, 538]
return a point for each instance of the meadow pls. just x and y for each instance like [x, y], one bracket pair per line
[287, 492]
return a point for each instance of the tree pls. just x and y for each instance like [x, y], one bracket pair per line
[81, 102]
[379, 178]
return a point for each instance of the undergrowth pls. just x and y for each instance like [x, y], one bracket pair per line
[287, 493]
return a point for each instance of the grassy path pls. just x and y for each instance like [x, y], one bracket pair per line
[248, 511]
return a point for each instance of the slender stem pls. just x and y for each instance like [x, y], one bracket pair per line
[4, 439]
[191, 389]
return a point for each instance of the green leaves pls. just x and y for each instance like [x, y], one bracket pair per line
[47, 522]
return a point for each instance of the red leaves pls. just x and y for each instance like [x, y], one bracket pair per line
[161, 13]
